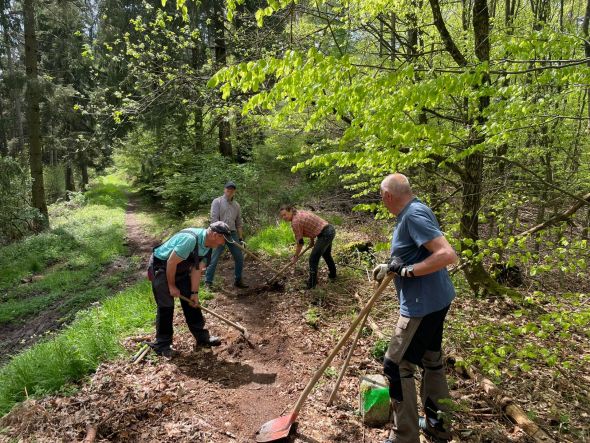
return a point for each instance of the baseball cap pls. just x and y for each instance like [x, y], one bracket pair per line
[220, 227]
[230, 184]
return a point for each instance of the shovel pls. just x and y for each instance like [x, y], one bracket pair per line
[251, 254]
[287, 266]
[215, 314]
[281, 426]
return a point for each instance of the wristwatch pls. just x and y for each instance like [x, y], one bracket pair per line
[409, 271]
[194, 292]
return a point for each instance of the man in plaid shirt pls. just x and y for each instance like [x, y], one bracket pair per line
[307, 224]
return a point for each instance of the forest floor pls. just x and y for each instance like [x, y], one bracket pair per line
[225, 394]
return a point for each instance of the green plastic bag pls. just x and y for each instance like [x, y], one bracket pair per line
[372, 397]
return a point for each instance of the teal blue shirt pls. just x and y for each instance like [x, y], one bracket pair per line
[183, 244]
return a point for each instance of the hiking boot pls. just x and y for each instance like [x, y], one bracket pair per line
[211, 341]
[332, 277]
[167, 353]
[209, 285]
[435, 431]
[312, 281]
[240, 284]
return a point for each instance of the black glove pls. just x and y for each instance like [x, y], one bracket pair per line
[397, 266]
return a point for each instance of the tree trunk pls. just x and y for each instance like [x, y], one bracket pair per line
[33, 118]
[83, 165]
[587, 48]
[70, 185]
[197, 62]
[474, 163]
[225, 147]
[14, 92]
[3, 139]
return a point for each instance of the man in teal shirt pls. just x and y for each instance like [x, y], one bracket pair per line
[178, 264]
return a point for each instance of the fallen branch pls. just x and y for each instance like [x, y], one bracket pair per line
[559, 217]
[506, 404]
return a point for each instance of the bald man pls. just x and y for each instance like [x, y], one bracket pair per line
[419, 256]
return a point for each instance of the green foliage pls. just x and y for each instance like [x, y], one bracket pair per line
[194, 188]
[92, 338]
[379, 348]
[331, 372]
[518, 343]
[273, 240]
[312, 317]
[17, 216]
[70, 257]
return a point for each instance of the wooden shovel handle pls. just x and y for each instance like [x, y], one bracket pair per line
[250, 253]
[214, 314]
[364, 312]
[347, 361]
[288, 265]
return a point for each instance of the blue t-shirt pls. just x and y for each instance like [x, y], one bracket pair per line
[183, 243]
[419, 296]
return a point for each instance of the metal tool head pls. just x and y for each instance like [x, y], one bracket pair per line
[276, 429]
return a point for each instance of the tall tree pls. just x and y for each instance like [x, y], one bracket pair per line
[33, 119]
[218, 30]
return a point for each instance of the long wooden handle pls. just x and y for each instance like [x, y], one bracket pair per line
[287, 266]
[258, 259]
[364, 312]
[347, 361]
[215, 314]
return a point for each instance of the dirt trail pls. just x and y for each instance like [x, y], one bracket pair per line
[19, 335]
[227, 393]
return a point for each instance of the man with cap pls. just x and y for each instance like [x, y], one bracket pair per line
[177, 266]
[227, 210]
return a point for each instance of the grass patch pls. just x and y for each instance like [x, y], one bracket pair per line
[274, 240]
[93, 337]
[70, 257]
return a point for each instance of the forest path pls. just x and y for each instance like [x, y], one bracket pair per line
[226, 393]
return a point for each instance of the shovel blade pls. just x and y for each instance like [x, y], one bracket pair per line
[276, 429]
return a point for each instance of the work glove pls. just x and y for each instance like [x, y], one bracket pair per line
[397, 266]
[380, 272]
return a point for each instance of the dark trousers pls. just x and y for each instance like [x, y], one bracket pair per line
[165, 309]
[323, 248]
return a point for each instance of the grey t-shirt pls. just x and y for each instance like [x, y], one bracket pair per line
[227, 211]
[419, 296]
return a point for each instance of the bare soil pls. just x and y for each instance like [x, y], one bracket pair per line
[225, 394]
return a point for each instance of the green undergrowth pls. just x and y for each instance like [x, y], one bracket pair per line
[524, 340]
[275, 239]
[66, 264]
[56, 363]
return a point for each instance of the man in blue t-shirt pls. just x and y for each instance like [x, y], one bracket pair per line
[177, 265]
[419, 256]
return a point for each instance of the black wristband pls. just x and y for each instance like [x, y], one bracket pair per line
[194, 292]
